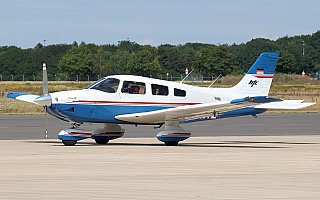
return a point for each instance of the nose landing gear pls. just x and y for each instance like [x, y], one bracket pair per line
[70, 136]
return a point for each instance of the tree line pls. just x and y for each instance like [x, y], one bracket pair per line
[298, 53]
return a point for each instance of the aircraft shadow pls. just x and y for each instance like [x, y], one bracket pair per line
[228, 145]
[261, 142]
[224, 144]
[234, 144]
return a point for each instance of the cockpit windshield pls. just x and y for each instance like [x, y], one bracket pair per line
[94, 83]
[109, 85]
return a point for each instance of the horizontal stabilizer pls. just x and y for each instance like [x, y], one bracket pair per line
[285, 104]
[23, 97]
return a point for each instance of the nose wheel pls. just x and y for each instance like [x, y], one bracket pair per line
[69, 142]
[70, 136]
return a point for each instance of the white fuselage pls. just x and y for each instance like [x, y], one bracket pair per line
[100, 105]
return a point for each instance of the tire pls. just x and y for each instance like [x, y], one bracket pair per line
[101, 141]
[171, 143]
[69, 142]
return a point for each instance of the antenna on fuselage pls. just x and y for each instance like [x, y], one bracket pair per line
[220, 75]
[186, 76]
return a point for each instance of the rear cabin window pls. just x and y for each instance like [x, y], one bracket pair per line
[132, 87]
[179, 93]
[159, 89]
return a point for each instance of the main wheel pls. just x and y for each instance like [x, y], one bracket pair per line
[171, 143]
[69, 142]
[101, 141]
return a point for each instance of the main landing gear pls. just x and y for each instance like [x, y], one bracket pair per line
[69, 142]
[99, 141]
[172, 134]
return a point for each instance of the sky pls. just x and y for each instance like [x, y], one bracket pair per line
[27, 23]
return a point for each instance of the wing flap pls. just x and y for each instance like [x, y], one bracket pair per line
[23, 97]
[285, 104]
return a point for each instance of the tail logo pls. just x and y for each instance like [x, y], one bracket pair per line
[252, 83]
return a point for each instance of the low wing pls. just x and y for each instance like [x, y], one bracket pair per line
[285, 104]
[23, 97]
[185, 113]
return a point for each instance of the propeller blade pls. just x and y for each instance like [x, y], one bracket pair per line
[46, 120]
[45, 99]
[45, 80]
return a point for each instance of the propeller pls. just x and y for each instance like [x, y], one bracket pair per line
[45, 99]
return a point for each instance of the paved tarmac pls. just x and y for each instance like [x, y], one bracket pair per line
[228, 167]
[21, 127]
[271, 157]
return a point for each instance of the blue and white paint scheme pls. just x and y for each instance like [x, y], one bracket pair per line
[128, 99]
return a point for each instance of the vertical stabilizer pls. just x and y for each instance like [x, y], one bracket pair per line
[258, 79]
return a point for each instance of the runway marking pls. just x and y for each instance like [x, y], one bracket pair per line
[202, 125]
[252, 124]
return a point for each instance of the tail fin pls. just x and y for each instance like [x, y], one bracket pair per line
[258, 79]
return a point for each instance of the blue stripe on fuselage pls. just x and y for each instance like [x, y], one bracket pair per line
[99, 113]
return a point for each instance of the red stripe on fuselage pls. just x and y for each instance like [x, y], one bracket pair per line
[133, 103]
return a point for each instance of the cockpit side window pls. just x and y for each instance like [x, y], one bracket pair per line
[109, 85]
[132, 87]
[159, 89]
[179, 93]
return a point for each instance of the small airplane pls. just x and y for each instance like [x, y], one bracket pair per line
[136, 100]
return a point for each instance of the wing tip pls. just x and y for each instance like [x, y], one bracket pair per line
[14, 95]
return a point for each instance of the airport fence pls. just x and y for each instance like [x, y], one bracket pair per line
[191, 79]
